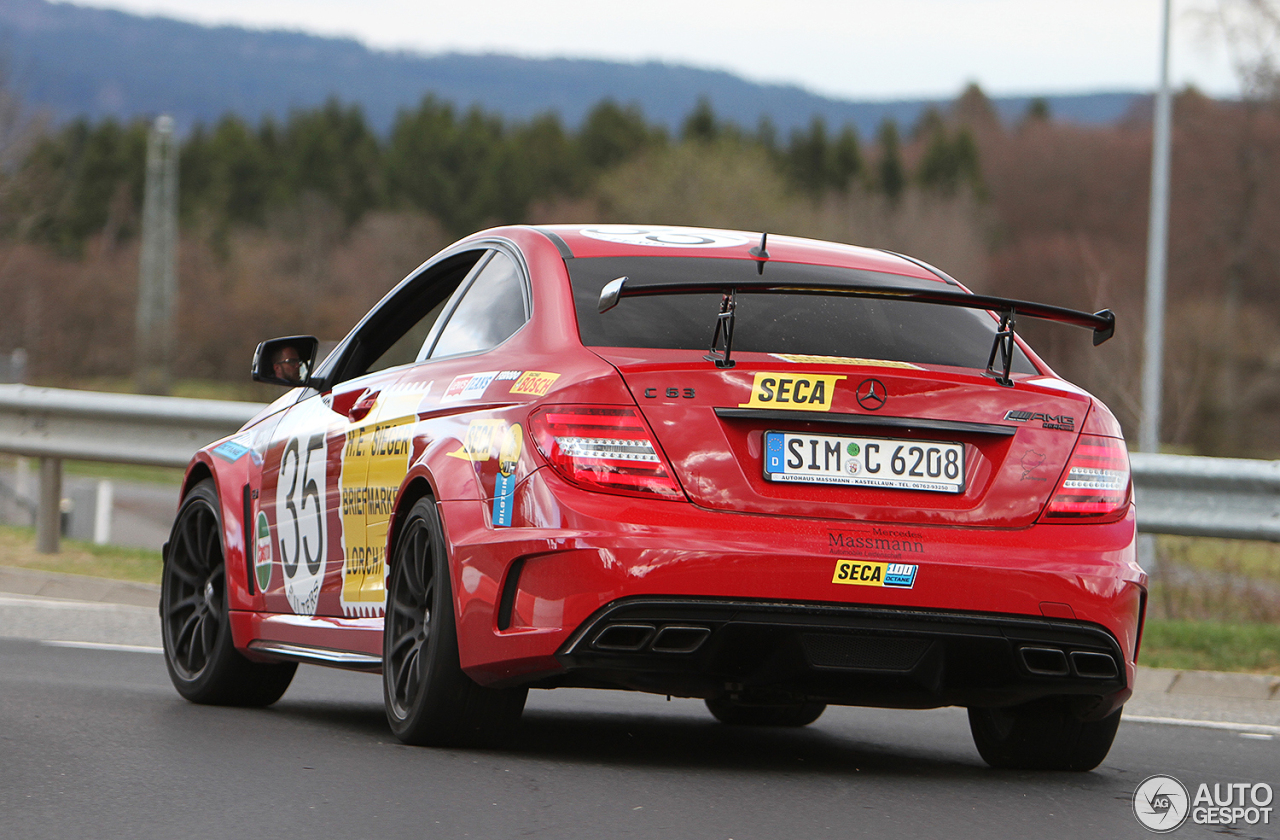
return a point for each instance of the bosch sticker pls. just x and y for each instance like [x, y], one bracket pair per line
[535, 382]
[792, 391]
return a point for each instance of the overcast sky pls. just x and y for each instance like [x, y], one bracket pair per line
[864, 49]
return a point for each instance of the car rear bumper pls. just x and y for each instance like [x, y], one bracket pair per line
[534, 598]
[768, 652]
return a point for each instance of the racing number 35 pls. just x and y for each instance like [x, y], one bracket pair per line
[299, 506]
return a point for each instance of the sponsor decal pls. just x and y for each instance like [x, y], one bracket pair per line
[1061, 422]
[505, 375]
[535, 382]
[262, 559]
[664, 237]
[870, 573]
[375, 458]
[477, 445]
[505, 485]
[793, 391]
[1162, 804]
[302, 527]
[803, 359]
[230, 451]
[1030, 462]
[879, 543]
[468, 386]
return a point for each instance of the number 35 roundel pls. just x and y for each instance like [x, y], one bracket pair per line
[300, 520]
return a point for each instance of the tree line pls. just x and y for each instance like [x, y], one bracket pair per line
[465, 168]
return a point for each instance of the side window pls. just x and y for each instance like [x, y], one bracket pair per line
[490, 310]
[394, 332]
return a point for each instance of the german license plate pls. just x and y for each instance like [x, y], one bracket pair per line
[933, 466]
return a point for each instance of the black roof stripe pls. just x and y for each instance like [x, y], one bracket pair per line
[560, 244]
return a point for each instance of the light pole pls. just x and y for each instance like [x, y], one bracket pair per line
[1157, 253]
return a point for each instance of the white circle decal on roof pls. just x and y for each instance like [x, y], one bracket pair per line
[665, 237]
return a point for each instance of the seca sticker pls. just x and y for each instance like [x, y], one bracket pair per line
[664, 237]
[864, 573]
[793, 391]
[479, 440]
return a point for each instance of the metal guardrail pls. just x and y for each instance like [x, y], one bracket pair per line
[1194, 496]
[1176, 494]
[53, 424]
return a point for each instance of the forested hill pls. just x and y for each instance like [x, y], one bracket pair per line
[77, 61]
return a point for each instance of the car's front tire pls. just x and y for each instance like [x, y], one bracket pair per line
[429, 701]
[203, 663]
[741, 714]
[1044, 735]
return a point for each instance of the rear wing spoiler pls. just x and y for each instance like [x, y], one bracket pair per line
[1102, 323]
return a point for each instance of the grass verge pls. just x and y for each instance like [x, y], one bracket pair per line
[18, 548]
[1211, 646]
[1195, 645]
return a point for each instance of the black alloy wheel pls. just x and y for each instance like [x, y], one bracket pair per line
[429, 701]
[1043, 735]
[198, 651]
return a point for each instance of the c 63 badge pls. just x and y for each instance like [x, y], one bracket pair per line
[864, 573]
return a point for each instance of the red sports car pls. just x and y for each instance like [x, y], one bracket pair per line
[770, 472]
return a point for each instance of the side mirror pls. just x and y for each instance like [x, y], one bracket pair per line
[286, 361]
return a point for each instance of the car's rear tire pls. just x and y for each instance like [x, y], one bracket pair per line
[429, 701]
[740, 714]
[203, 663]
[1044, 735]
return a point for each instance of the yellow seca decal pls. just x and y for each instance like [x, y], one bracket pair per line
[794, 391]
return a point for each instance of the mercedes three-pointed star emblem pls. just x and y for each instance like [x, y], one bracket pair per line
[871, 394]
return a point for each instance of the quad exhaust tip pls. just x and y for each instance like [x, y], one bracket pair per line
[632, 638]
[1054, 662]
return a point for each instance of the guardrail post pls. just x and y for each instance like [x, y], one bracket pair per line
[49, 507]
[102, 513]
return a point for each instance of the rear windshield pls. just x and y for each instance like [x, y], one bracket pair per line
[900, 331]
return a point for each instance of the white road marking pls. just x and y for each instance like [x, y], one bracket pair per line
[45, 602]
[102, 646]
[1254, 728]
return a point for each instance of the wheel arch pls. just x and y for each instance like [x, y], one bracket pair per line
[416, 487]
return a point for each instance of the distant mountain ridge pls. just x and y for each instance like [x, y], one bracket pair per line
[78, 61]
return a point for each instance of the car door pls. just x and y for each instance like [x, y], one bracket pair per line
[436, 396]
[315, 494]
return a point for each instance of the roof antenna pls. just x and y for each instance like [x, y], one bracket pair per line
[761, 252]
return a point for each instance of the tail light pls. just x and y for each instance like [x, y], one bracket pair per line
[1096, 483]
[603, 448]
